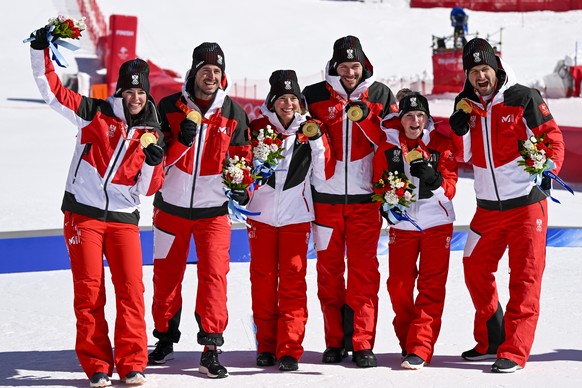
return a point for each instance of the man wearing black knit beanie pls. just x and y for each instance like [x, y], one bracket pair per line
[496, 116]
[203, 126]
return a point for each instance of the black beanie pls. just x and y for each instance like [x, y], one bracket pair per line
[413, 101]
[477, 52]
[346, 49]
[282, 82]
[133, 74]
[207, 54]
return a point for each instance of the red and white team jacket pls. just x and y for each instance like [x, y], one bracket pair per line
[108, 172]
[515, 113]
[286, 197]
[426, 211]
[193, 188]
[353, 144]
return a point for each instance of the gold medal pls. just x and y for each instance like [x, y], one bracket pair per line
[413, 155]
[355, 113]
[310, 129]
[147, 138]
[194, 116]
[464, 106]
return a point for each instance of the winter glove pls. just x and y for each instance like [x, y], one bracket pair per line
[357, 104]
[429, 177]
[459, 122]
[154, 154]
[240, 195]
[40, 41]
[188, 131]
[392, 215]
[311, 129]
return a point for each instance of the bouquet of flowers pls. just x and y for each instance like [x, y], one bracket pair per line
[537, 153]
[237, 175]
[267, 150]
[395, 191]
[57, 29]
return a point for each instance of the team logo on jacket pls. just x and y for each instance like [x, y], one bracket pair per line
[477, 57]
[111, 131]
[473, 121]
[544, 109]
[135, 79]
[350, 53]
[331, 112]
[396, 156]
[287, 85]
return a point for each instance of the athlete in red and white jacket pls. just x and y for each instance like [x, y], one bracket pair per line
[279, 235]
[418, 257]
[192, 203]
[511, 209]
[347, 222]
[109, 171]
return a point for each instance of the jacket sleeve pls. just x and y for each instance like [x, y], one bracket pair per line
[59, 98]
[150, 179]
[449, 170]
[322, 158]
[240, 141]
[174, 149]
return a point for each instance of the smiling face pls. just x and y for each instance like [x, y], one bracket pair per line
[134, 99]
[350, 74]
[207, 81]
[414, 123]
[483, 79]
[285, 107]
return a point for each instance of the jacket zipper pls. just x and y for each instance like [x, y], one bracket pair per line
[491, 168]
[196, 162]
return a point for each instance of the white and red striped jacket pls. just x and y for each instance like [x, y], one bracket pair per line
[514, 114]
[108, 172]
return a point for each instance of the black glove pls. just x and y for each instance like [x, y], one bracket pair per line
[429, 177]
[240, 195]
[154, 154]
[40, 41]
[188, 131]
[459, 122]
[362, 105]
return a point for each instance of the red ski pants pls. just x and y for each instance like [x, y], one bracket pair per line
[523, 230]
[348, 233]
[417, 322]
[88, 240]
[172, 236]
[278, 287]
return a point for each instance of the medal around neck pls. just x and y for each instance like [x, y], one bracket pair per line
[147, 138]
[413, 155]
[310, 129]
[355, 113]
[194, 116]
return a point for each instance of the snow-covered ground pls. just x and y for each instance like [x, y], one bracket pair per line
[259, 36]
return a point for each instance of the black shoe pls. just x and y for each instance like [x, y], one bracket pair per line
[365, 358]
[473, 355]
[288, 363]
[505, 365]
[163, 352]
[333, 355]
[210, 365]
[412, 361]
[99, 379]
[134, 378]
[266, 359]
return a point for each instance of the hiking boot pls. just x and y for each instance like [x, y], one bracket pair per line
[333, 355]
[210, 365]
[99, 379]
[505, 365]
[412, 361]
[134, 378]
[365, 358]
[288, 363]
[163, 352]
[473, 355]
[266, 359]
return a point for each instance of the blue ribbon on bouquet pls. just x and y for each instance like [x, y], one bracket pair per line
[237, 212]
[53, 46]
[263, 170]
[537, 179]
[400, 215]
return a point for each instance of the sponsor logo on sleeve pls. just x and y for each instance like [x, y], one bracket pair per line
[544, 109]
